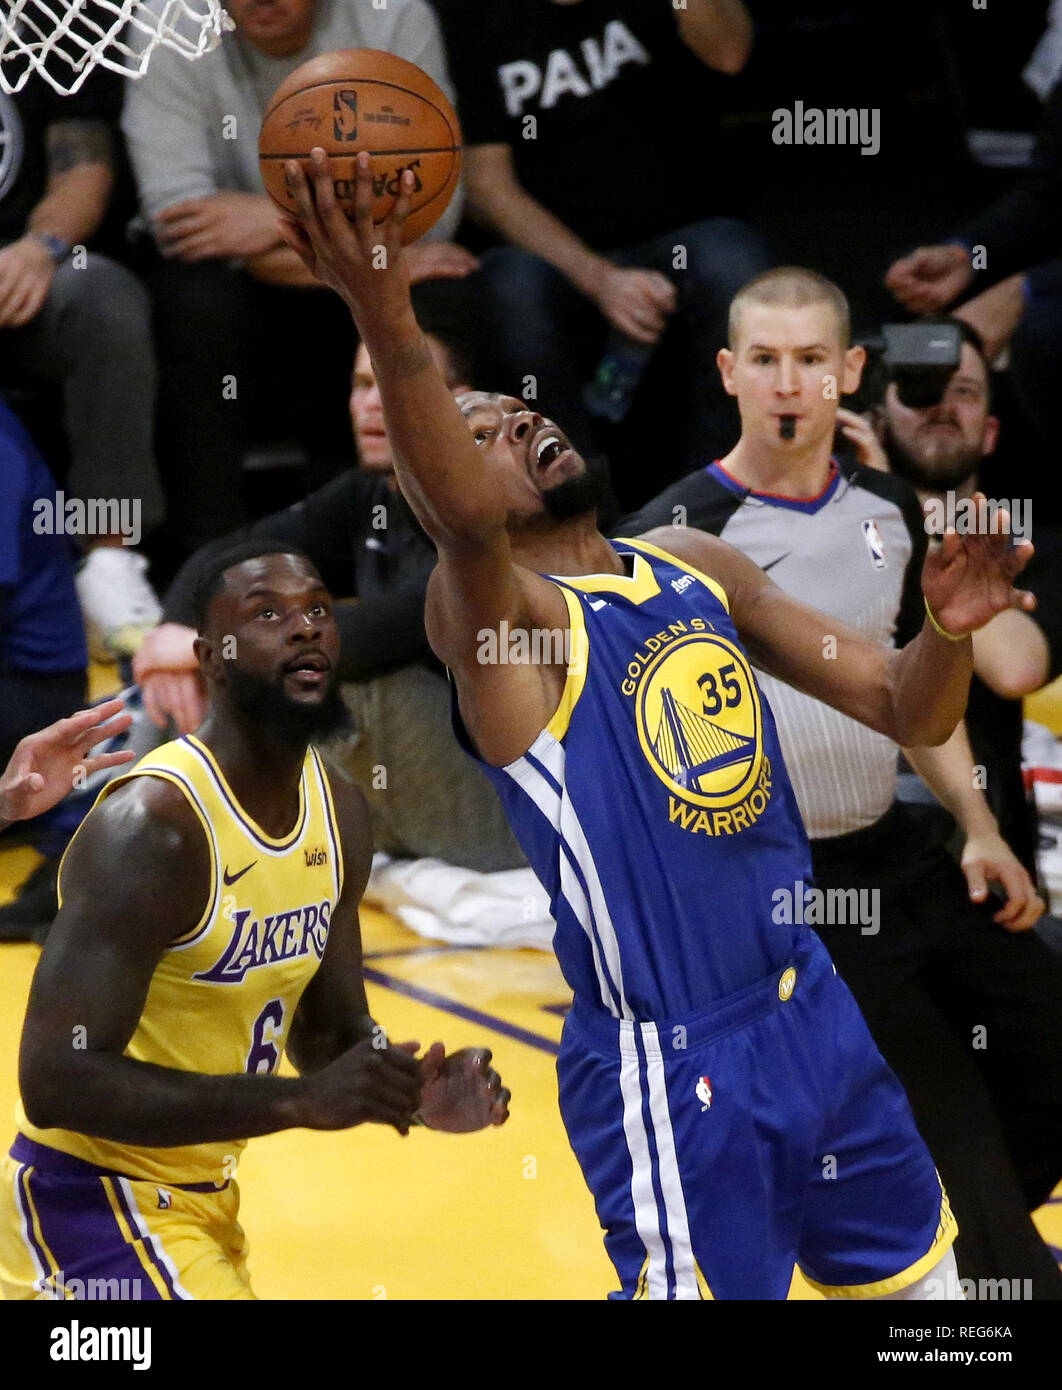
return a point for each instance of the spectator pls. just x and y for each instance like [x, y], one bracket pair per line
[1013, 253]
[42, 639]
[933, 963]
[232, 302]
[427, 798]
[559, 102]
[81, 320]
[941, 450]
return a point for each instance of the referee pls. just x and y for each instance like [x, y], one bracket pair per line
[964, 1002]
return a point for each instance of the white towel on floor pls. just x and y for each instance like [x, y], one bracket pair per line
[445, 903]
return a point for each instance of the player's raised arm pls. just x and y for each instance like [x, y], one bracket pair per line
[461, 501]
[138, 878]
[437, 464]
[915, 696]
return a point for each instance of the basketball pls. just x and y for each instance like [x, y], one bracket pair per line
[361, 99]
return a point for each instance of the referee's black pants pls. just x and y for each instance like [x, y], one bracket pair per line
[969, 1016]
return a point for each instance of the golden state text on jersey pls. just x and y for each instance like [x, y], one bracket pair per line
[655, 807]
[222, 996]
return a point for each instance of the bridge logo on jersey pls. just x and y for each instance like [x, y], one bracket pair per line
[700, 726]
[282, 936]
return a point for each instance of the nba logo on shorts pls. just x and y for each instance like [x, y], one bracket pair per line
[345, 115]
[165, 1200]
[875, 544]
[704, 1093]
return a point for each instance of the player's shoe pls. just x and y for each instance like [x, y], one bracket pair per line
[119, 605]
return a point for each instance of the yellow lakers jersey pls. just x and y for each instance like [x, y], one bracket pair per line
[222, 997]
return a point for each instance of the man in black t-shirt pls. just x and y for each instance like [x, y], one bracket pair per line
[75, 317]
[559, 101]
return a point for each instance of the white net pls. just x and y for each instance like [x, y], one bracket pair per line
[63, 40]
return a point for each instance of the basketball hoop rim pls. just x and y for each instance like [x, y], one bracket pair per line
[54, 38]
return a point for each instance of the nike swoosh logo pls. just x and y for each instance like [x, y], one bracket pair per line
[229, 881]
[778, 561]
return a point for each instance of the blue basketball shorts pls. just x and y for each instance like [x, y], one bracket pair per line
[766, 1132]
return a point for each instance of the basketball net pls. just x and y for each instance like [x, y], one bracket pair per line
[64, 40]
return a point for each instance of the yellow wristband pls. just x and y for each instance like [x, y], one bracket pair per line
[951, 636]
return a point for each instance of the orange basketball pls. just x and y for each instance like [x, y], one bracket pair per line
[361, 99]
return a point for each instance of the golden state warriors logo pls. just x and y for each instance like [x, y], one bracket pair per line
[700, 725]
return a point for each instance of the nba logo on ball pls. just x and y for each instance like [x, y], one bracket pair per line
[345, 115]
[363, 100]
[704, 1093]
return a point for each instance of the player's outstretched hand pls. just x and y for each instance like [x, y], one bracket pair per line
[365, 1084]
[462, 1092]
[43, 766]
[968, 577]
[358, 258]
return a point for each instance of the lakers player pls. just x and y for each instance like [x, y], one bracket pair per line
[208, 922]
[718, 1084]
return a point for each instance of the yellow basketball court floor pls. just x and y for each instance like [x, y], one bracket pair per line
[366, 1214]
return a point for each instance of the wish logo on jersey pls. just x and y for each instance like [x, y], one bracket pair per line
[281, 937]
[700, 726]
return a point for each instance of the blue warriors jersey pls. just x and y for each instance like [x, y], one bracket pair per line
[655, 808]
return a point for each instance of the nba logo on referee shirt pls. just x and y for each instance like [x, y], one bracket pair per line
[875, 545]
[704, 1093]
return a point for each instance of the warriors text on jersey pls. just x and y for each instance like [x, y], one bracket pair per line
[655, 807]
[222, 997]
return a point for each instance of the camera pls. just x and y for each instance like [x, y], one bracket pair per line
[918, 358]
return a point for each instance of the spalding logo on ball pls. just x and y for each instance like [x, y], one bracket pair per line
[361, 99]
